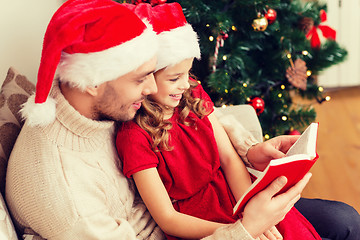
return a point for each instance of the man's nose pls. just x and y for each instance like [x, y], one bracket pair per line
[150, 87]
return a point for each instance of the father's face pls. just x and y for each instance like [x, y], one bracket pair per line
[119, 99]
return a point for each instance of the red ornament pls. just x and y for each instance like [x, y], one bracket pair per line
[258, 104]
[157, 2]
[224, 35]
[137, 1]
[293, 132]
[271, 15]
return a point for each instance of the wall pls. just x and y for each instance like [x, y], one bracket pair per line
[22, 27]
[343, 16]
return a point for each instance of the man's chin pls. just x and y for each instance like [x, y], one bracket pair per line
[127, 117]
[120, 118]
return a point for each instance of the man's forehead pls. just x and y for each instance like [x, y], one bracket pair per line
[145, 69]
[138, 74]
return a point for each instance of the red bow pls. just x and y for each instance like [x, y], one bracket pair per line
[327, 32]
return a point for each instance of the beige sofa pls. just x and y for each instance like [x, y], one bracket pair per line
[239, 120]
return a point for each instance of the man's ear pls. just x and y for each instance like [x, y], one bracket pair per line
[93, 91]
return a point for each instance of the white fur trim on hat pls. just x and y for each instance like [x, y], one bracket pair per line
[92, 69]
[39, 114]
[176, 45]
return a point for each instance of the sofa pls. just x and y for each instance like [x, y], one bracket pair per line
[239, 120]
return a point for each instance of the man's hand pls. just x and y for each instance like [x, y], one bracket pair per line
[260, 154]
[272, 234]
[265, 209]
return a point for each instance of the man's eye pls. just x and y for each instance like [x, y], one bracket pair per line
[140, 81]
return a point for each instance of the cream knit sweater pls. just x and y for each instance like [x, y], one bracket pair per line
[63, 183]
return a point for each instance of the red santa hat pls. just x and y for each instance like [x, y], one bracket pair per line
[86, 44]
[177, 39]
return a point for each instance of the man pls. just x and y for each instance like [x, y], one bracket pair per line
[62, 180]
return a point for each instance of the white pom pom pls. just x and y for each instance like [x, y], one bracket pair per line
[39, 114]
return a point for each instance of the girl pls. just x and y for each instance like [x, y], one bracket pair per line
[183, 164]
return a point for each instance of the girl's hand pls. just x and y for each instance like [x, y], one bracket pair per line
[260, 154]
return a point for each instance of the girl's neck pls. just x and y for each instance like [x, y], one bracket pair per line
[168, 112]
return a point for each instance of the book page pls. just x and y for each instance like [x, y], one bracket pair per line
[300, 158]
[306, 144]
[295, 157]
[254, 172]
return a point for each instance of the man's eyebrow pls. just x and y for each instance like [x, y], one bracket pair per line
[146, 73]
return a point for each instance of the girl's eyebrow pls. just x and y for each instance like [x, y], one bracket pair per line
[174, 74]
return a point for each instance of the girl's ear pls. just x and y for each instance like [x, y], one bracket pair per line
[93, 91]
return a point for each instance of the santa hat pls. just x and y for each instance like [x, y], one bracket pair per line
[86, 44]
[177, 39]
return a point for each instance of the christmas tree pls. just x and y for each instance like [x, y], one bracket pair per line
[263, 52]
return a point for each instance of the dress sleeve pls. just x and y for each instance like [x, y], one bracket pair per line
[199, 92]
[134, 148]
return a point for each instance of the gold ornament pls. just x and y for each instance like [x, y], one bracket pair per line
[260, 24]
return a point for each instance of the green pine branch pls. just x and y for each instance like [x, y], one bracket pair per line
[253, 63]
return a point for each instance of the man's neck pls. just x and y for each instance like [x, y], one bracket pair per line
[81, 101]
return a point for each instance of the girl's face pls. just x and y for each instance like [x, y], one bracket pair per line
[172, 82]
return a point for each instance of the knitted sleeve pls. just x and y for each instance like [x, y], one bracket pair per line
[241, 138]
[234, 231]
[59, 198]
[98, 227]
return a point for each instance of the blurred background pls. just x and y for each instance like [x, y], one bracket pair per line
[23, 24]
[336, 175]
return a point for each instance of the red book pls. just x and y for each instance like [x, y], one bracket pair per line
[298, 161]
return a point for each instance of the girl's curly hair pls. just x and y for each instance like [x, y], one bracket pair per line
[150, 117]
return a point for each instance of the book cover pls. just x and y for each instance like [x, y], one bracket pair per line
[299, 159]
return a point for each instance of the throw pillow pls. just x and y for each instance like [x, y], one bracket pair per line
[7, 230]
[14, 92]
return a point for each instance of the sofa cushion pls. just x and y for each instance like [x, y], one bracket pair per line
[7, 230]
[14, 92]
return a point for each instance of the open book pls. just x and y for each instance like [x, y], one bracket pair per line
[299, 159]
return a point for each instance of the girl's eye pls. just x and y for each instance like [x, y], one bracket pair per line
[174, 79]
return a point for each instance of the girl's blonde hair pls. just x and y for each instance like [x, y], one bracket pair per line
[150, 117]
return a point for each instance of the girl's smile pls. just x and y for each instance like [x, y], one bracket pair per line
[172, 82]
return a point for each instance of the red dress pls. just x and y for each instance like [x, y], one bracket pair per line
[191, 172]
